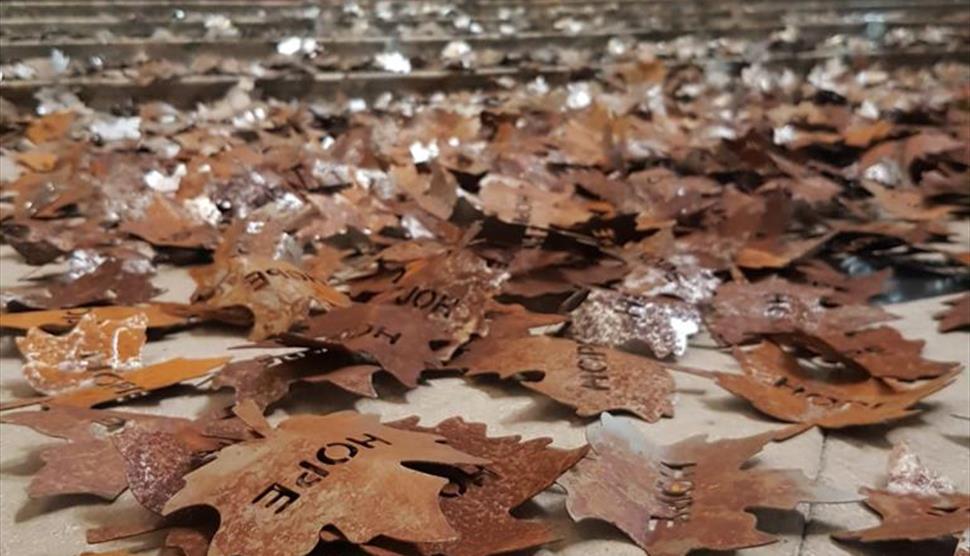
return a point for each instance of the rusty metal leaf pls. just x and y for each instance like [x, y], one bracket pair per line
[912, 517]
[957, 317]
[882, 352]
[691, 495]
[109, 451]
[479, 510]
[343, 469]
[276, 293]
[165, 224]
[777, 384]
[741, 311]
[58, 363]
[62, 320]
[265, 380]
[590, 378]
[396, 337]
[453, 289]
[612, 318]
[109, 386]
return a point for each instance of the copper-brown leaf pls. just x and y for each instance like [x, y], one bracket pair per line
[882, 352]
[50, 127]
[590, 378]
[343, 469]
[276, 293]
[165, 224]
[741, 311]
[58, 363]
[686, 496]
[107, 386]
[265, 380]
[913, 517]
[452, 289]
[60, 320]
[957, 317]
[777, 384]
[478, 506]
[109, 451]
[845, 290]
[398, 338]
[116, 280]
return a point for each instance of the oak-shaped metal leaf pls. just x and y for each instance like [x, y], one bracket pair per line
[776, 383]
[690, 495]
[343, 469]
[590, 378]
[479, 506]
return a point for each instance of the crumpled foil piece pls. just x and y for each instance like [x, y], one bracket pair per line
[612, 318]
[220, 26]
[50, 100]
[294, 45]
[458, 54]
[394, 62]
[116, 129]
[580, 95]
[424, 152]
[164, 183]
[908, 475]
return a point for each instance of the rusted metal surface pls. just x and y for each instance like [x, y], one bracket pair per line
[776, 383]
[275, 494]
[687, 496]
[590, 378]
[477, 504]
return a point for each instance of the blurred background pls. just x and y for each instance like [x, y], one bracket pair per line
[111, 53]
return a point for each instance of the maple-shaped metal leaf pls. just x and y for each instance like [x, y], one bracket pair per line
[479, 509]
[267, 379]
[846, 290]
[398, 338]
[590, 378]
[276, 293]
[741, 311]
[108, 386]
[343, 469]
[882, 352]
[59, 320]
[957, 317]
[913, 517]
[166, 224]
[690, 495]
[452, 289]
[109, 451]
[116, 280]
[58, 363]
[776, 383]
